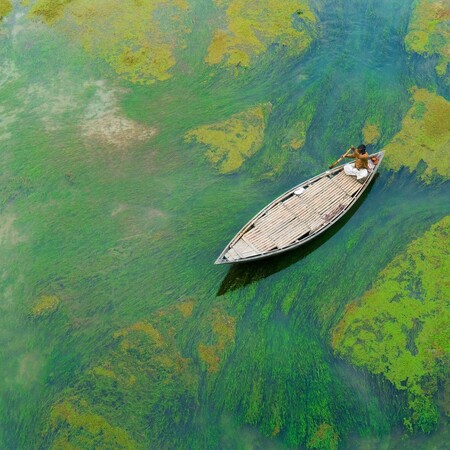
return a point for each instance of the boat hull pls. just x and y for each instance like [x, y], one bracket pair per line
[297, 216]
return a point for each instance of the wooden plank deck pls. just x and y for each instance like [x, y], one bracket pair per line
[291, 233]
[258, 239]
[297, 216]
[347, 183]
[304, 212]
[274, 216]
[243, 249]
[232, 255]
[324, 205]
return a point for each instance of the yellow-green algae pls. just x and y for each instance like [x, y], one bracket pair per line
[78, 428]
[144, 374]
[45, 305]
[371, 133]
[49, 10]
[277, 157]
[429, 31]
[137, 38]
[424, 136]
[325, 438]
[5, 8]
[296, 136]
[223, 330]
[400, 327]
[253, 26]
[234, 140]
[187, 307]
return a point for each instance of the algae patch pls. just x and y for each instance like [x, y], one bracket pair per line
[5, 8]
[138, 39]
[49, 10]
[234, 140]
[400, 327]
[186, 307]
[45, 305]
[429, 31]
[325, 437]
[371, 133]
[281, 152]
[424, 136]
[223, 332]
[141, 394]
[252, 27]
[77, 428]
[296, 136]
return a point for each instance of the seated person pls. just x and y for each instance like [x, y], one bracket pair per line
[360, 168]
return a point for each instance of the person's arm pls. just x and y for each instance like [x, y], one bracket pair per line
[365, 156]
[351, 155]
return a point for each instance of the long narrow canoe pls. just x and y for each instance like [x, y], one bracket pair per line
[297, 216]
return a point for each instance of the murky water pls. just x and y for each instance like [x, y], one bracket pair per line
[116, 329]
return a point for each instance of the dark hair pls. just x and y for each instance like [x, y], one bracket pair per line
[361, 149]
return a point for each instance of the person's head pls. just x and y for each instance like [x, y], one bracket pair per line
[361, 149]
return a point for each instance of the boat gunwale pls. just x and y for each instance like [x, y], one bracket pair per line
[244, 229]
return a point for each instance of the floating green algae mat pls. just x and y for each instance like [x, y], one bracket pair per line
[50, 10]
[137, 38]
[429, 31]
[424, 136]
[234, 140]
[45, 305]
[400, 327]
[371, 133]
[136, 138]
[5, 8]
[252, 27]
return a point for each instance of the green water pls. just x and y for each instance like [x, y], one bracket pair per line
[123, 233]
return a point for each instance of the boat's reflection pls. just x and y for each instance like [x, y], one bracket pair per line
[243, 274]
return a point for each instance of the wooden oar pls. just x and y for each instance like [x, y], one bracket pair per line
[341, 158]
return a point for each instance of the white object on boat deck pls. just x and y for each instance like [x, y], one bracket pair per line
[351, 170]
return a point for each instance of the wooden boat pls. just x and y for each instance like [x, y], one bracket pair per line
[297, 216]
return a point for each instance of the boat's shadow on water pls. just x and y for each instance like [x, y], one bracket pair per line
[243, 274]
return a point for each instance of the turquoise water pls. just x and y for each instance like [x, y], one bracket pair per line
[124, 228]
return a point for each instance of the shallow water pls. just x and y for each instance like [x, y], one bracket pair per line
[107, 207]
